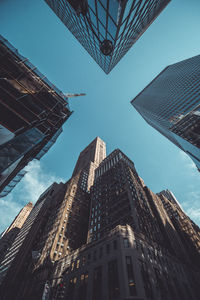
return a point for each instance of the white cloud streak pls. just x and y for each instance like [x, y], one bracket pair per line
[34, 183]
[192, 204]
[189, 164]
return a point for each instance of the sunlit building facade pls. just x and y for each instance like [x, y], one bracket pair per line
[107, 28]
[171, 104]
[12, 231]
[133, 250]
[57, 225]
[104, 235]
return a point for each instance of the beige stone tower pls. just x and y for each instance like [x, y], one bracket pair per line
[12, 231]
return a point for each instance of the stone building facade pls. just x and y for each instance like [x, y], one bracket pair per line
[112, 240]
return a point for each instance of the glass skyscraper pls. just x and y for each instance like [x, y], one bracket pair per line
[171, 104]
[32, 112]
[107, 28]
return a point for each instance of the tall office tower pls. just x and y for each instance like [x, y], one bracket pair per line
[12, 231]
[107, 28]
[133, 250]
[60, 227]
[10, 264]
[119, 197]
[170, 196]
[27, 247]
[32, 112]
[171, 104]
[89, 159]
[188, 231]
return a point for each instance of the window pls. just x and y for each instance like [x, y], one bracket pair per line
[126, 243]
[95, 255]
[115, 245]
[83, 286]
[100, 252]
[72, 284]
[97, 284]
[147, 282]
[131, 280]
[72, 268]
[78, 263]
[113, 280]
[83, 260]
[108, 248]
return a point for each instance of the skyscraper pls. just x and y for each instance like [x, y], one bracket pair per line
[171, 104]
[57, 225]
[12, 231]
[108, 237]
[16, 249]
[134, 249]
[188, 231]
[107, 28]
[89, 159]
[32, 112]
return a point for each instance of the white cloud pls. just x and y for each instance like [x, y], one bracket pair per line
[34, 183]
[8, 210]
[191, 205]
[189, 164]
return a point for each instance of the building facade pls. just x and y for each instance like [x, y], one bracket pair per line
[121, 265]
[112, 240]
[32, 112]
[59, 227]
[21, 244]
[134, 249]
[107, 28]
[171, 104]
[12, 231]
[188, 231]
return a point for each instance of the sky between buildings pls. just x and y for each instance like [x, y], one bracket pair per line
[105, 111]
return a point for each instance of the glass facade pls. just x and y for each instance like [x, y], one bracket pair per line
[107, 28]
[32, 113]
[171, 104]
[18, 146]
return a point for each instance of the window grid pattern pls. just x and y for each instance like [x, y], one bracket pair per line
[170, 104]
[121, 22]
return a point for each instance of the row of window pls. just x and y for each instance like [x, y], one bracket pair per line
[96, 254]
[113, 285]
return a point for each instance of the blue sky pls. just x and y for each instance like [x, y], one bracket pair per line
[105, 111]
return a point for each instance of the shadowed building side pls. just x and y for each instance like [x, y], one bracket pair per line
[32, 112]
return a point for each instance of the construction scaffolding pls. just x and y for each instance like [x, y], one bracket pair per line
[32, 112]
